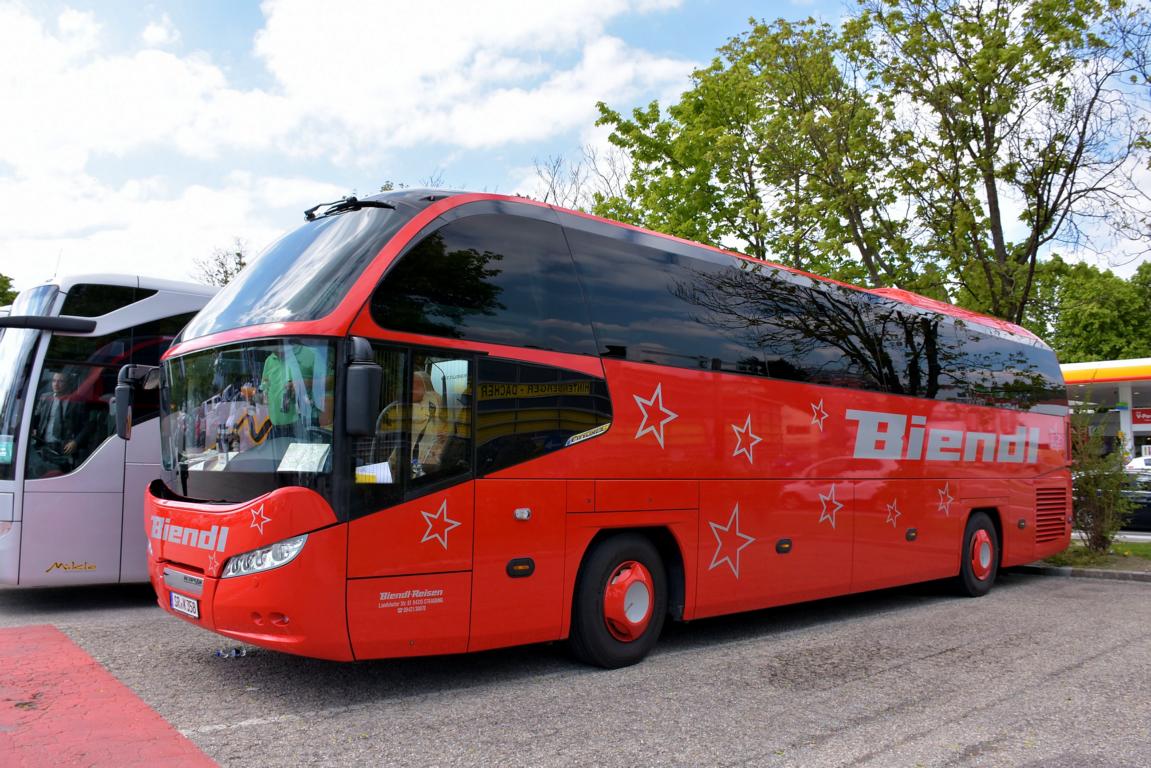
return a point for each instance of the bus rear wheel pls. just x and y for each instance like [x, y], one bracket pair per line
[979, 563]
[620, 602]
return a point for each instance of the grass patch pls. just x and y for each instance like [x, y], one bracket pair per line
[1124, 555]
[1141, 549]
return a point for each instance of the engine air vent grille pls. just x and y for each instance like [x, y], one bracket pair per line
[1050, 514]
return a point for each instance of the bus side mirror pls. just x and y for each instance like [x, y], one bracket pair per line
[362, 391]
[131, 376]
[123, 407]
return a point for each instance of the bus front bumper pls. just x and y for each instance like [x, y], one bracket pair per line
[298, 608]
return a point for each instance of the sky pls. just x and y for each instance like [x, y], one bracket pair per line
[138, 137]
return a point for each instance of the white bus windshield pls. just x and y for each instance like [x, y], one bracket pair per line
[16, 348]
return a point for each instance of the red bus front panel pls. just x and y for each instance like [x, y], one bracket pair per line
[409, 615]
[430, 534]
[296, 608]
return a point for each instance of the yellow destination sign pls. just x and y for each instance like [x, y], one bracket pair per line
[550, 389]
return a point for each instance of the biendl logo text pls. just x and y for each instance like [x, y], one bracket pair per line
[214, 538]
[888, 436]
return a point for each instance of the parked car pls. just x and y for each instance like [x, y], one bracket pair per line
[1139, 464]
[1139, 492]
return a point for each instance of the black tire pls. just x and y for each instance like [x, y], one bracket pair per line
[592, 640]
[975, 577]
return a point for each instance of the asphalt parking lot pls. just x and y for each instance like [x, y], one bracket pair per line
[1042, 672]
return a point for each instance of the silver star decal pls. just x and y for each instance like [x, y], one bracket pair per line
[945, 500]
[829, 501]
[657, 428]
[893, 512]
[753, 441]
[439, 525]
[731, 537]
[818, 414]
[259, 518]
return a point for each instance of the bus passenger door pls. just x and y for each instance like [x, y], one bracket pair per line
[518, 571]
[409, 580]
[72, 522]
[74, 471]
[410, 551]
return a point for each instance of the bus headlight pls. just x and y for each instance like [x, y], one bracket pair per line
[265, 558]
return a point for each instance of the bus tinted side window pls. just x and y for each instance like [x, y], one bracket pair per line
[524, 411]
[149, 342]
[1001, 372]
[423, 432]
[494, 278]
[655, 306]
[680, 305]
[93, 300]
[671, 303]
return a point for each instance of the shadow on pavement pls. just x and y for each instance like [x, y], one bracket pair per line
[29, 603]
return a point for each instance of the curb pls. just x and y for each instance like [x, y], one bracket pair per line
[1083, 573]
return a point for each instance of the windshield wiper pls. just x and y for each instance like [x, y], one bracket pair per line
[349, 203]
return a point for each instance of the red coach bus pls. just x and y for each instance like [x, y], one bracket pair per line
[431, 422]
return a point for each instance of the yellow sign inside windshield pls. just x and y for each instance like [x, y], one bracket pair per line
[548, 389]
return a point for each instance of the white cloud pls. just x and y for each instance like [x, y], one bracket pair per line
[160, 33]
[78, 31]
[401, 76]
[75, 101]
[353, 82]
[143, 227]
[351, 85]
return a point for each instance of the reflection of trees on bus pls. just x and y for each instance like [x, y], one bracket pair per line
[87, 366]
[439, 289]
[802, 330]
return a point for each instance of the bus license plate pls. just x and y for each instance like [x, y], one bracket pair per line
[185, 605]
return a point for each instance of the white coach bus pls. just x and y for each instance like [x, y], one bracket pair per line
[71, 492]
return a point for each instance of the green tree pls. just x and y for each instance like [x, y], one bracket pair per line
[7, 295]
[776, 147]
[223, 265]
[1024, 126]
[936, 145]
[1088, 314]
[1100, 508]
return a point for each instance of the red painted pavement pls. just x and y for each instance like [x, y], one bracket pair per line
[59, 708]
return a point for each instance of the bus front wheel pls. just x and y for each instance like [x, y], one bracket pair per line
[979, 563]
[620, 602]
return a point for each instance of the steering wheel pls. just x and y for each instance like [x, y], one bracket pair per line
[319, 435]
[389, 413]
[389, 430]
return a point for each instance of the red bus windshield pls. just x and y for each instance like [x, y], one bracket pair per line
[242, 420]
[303, 275]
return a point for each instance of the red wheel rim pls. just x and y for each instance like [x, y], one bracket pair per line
[982, 554]
[627, 601]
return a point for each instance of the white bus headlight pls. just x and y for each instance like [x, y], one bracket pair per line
[265, 558]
